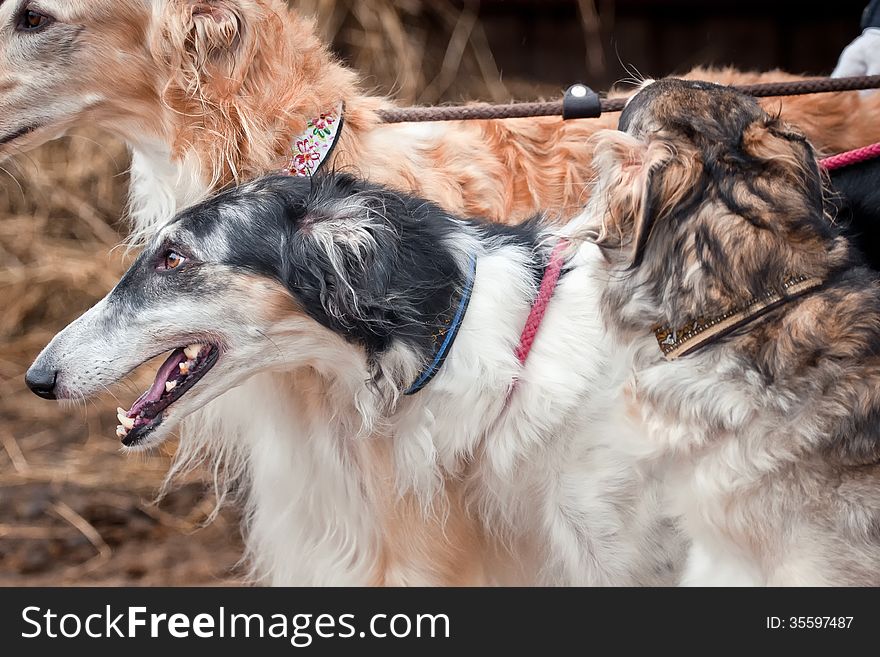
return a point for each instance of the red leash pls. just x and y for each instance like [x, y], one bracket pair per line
[539, 307]
[849, 158]
[549, 281]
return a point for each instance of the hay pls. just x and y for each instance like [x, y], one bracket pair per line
[439, 49]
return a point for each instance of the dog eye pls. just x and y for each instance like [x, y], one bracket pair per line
[172, 260]
[31, 21]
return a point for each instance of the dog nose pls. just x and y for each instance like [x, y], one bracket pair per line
[42, 381]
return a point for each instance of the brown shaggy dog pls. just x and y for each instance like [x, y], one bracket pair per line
[755, 334]
[208, 92]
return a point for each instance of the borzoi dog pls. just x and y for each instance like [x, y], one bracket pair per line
[208, 92]
[382, 324]
[754, 334]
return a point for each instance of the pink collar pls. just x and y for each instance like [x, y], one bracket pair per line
[311, 149]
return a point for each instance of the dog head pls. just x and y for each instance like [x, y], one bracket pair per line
[703, 202]
[64, 62]
[333, 274]
[218, 77]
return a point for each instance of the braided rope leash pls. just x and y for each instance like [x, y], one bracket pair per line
[849, 158]
[582, 102]
[539, 307]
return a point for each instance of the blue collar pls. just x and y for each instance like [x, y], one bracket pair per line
[445, 337]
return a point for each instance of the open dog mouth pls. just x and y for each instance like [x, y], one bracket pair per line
[180, 372]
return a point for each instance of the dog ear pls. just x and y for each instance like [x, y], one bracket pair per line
[216, 27]
[771, 140]
[216, 39]
[209, 43]
[340, 259]
[631, 178]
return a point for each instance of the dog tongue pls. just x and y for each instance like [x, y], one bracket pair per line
[168, 369]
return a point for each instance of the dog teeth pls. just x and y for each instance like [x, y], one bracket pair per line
[121, 432]
[184, 368]
[125, 421]
[192, 352]
[170, 385]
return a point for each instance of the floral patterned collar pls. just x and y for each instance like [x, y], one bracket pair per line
[311, 149]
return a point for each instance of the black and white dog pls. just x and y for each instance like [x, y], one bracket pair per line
[343, 299]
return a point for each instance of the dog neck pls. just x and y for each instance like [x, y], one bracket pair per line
[678, 341]
[788, 336]
[476, 396]
[432, 433]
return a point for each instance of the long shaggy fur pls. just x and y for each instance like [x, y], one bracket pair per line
[768, 438]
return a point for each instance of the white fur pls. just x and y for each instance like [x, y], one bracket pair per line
[160, 187]
[547, 482]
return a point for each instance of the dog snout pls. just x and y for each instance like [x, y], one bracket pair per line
[42, 379]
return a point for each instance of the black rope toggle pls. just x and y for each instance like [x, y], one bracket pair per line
[581, 102]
